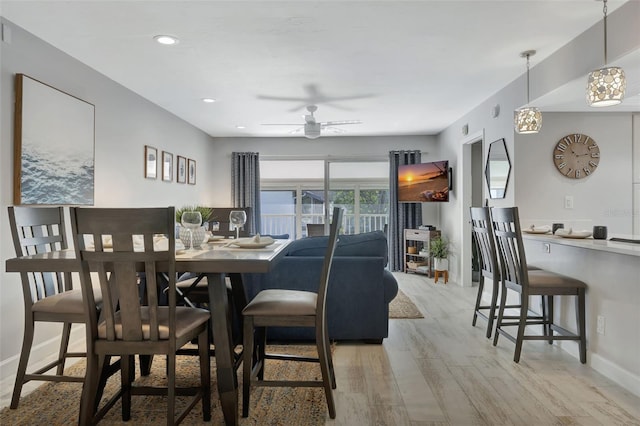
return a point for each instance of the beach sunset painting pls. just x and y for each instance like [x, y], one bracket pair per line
[423, 182]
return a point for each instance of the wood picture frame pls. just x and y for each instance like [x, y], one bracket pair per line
[167, 166]
[191, 172]
[181, 170]
[150, 162]
[54, 146]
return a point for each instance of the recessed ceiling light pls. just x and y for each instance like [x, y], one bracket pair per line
[166, 39]
[239, 126]
[208, 100]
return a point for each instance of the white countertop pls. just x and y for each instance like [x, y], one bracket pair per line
[630, 249]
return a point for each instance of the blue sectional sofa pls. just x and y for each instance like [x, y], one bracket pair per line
[360, 286]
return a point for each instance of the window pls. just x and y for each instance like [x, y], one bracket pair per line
[294, 193]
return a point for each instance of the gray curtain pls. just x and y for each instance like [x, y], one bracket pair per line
[245, 185]
[402, 215]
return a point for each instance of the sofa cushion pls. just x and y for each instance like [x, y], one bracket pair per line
[372, 244]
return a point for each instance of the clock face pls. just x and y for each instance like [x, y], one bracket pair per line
[576, 156]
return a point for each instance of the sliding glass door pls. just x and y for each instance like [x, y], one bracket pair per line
[295, 193]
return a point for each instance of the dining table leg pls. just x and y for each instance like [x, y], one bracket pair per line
[222, 337]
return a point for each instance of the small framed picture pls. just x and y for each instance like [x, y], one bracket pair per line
[167, 166]
[150, 162]
[181, 176]
[192, 172]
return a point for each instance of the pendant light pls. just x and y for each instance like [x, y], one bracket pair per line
[606, 86]
[527, 119]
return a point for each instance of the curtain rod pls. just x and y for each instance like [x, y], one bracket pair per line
[360, 157]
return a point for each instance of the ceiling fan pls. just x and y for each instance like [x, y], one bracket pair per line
[312, 128]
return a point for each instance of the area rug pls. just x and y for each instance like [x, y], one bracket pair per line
[402, 307]
[57, 403]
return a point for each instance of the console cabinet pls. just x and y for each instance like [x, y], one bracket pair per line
[415, 242]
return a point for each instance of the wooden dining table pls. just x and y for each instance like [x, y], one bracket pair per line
[214, 260]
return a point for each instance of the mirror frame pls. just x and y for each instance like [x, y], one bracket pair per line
[491, 170]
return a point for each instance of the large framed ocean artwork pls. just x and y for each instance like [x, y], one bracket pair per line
[53, 146]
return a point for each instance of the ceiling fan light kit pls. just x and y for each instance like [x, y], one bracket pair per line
[606, 86]
[527, 119]
[312, 128]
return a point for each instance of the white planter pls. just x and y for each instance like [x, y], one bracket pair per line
[440, 264]
[199, 236]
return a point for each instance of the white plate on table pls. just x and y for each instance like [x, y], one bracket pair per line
[251, 243]
[575, 234]
[543, 229]
[536, 231]
[213, 238]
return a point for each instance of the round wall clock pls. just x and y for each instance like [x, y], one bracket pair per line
[576, 156]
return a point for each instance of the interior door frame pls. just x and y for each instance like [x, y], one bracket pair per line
[466, 197]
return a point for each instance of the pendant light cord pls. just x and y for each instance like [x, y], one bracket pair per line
[604, 10]
[528, 79]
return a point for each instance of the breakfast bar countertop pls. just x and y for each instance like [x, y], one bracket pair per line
[630, 249]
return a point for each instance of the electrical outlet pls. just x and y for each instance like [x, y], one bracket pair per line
[568, 201]
[600, 325]
[547, 248]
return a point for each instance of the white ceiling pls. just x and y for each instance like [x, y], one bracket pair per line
[403, 68]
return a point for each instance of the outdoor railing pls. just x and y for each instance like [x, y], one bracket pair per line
[277, 224]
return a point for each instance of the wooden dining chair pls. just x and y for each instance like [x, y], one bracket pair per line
[517, 277]
[131, 324]
[290, 308]
[48, 297]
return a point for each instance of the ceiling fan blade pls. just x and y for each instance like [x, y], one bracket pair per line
[340, 123]
[281, 124]
[334, 129]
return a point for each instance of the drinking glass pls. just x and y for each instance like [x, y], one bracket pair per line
[191, 221]
[238, 218]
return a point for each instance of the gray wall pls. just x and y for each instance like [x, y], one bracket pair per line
[603, 198]
[572, 61]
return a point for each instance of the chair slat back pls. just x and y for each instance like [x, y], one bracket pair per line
[321, 303]
[483, 234]
[508, 236]
[117, 265]
[39, 230]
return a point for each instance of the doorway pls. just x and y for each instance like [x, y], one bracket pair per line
[472, 195]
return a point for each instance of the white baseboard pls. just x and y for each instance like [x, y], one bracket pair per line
[614, 372]
[41, 355]
[610, 370]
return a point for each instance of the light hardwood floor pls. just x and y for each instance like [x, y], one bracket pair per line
[442, 371]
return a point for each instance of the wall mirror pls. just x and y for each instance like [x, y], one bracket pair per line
[497, 169]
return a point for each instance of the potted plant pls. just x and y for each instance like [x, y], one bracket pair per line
[439, 249]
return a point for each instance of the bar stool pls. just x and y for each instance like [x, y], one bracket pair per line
[516, 277]
[489, 268]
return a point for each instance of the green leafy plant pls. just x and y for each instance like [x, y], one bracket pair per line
[204, 211]
[439, 248]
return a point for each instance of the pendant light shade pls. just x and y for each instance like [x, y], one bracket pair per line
[527, 119]
[606, 86]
